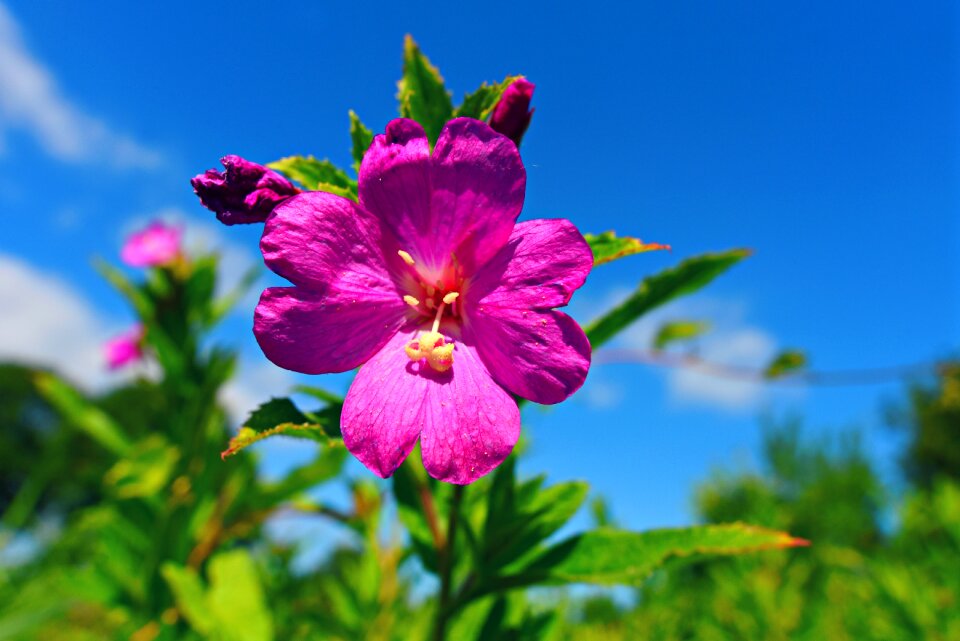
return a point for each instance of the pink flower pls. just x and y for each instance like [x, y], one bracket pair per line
[431, 285]
[512, 115]
[158, 244]
[124, 349]
[243, 193]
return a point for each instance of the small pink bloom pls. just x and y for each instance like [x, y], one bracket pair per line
[124, 349]
[430, 285]
[158, 244]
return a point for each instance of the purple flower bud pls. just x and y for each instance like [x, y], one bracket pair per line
[512, 115]
[244, 193]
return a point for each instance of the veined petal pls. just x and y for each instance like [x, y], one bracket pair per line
[317, 240]
[541, 265]
[394, 183]
[478, 190]
[542, 356]
[468, 423]
[324, 332]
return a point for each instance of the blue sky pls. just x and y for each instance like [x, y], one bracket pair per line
[823, 136]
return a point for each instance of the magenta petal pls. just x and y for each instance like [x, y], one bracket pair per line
[541, 265]
[478, 188]
[317, 239]
[542, 356]
[394, 182]
[468, 423]
[322, 333]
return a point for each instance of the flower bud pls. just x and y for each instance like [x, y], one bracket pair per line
[244, 192]
[512, 115]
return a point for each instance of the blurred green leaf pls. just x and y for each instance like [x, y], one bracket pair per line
[607, 247]
[361, 139]
[144, 472]
[316, 175]
[479, 104]
[222, 306]
[236, 598]
[616, 557]
[132, 292]
[81, 413]
[232, 608]
[686, 278]
[190, 595]
[787, 362]
[422, 94]
[679, 331]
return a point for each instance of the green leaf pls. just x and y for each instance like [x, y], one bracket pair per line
[616, 557]
[479, 104]
[145, 470]
[607, 247]
[361, 137]
[280, 417]
[316, 175]
[422, 94]
[189, 594]
[236, 598]
[81, 413]
[132, 292]
[789, 361]
[686, 278]
[679, 331]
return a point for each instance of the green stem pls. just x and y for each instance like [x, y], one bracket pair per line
[446, 561]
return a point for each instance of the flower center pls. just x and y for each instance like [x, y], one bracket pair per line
[433, 300]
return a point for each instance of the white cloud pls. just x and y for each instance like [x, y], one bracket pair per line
[31, 100]
[731, 341]
[743, 347]
[46, 322]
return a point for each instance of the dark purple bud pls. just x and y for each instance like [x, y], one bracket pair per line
[244, 193]
[511, 116]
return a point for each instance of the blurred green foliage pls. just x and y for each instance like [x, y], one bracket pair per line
[884, 564]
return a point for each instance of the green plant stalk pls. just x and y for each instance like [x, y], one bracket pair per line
[446, 566]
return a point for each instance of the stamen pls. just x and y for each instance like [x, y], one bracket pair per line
[450, 297]
[431, 290]
[407, 258]
[436, 320]
[410, 300]
[430, 304]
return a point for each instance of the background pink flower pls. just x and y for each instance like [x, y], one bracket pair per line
[432, 287]
[124, 349]
[156, 245]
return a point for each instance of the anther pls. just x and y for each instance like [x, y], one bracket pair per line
[407, 258]
[450, 297]
[410, 300]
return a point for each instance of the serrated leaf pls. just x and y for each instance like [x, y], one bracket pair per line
[316, 175]
[361, 138]
[480, 104]
[787, 362]
[686, 278]
[679, 331]
[280, 417]
[421, 91]
[617, 557]
[607, 247]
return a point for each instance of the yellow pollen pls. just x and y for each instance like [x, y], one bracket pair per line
[431, 290]
[433, 347]
[407, 258]
[450, 297]
[410, 300]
